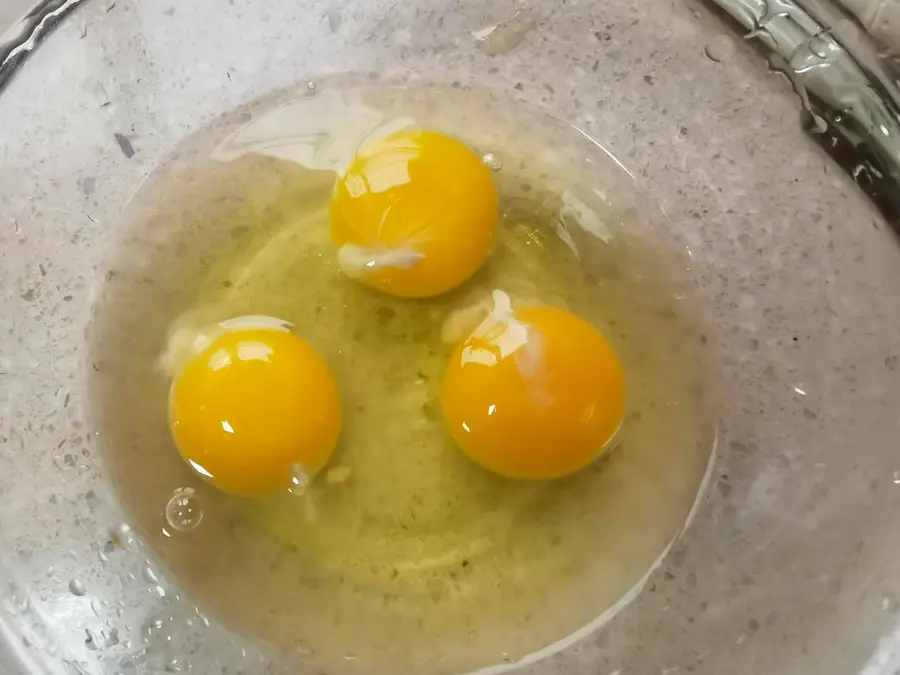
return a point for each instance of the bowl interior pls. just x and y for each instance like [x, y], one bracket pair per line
[787, 565]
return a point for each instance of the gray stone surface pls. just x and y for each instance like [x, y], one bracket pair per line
[880, 17]
[788, 566]
[11, 11]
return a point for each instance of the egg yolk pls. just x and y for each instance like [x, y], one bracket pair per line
[533, 393]
[414, 215]
[252, 407]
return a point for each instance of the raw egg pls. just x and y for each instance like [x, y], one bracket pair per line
[535, 392]
[414, 215]
[254, 407]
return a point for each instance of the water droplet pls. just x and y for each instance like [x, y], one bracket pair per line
[89, 641]
[492, 161]
[158, 631]
[818, 45]
[174, 666]
[76, 667]
[311, 85]
[149, 575]
[201, 617]
[76, 587]
[184, 511]
[719, 49]
[122, 535]
[112, 638]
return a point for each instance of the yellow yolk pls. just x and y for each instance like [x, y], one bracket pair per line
[414, 215]
[533, 393]
[253, 406]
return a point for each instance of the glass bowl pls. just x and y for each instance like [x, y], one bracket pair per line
[788, 562]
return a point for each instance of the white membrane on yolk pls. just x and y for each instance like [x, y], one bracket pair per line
[355, 261]
[498, 336]
[189, 337]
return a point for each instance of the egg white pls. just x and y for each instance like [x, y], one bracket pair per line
[189, 336]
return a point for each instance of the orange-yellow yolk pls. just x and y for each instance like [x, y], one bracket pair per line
[414, 215]
[252, 407]
[533, 393]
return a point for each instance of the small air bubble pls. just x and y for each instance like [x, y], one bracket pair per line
[76, 587]
[300, 480]
[311, 85]
[492, 161]
[184, 512]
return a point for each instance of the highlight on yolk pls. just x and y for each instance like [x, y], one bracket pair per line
[254, 403]
[414, 215]
[533, 393]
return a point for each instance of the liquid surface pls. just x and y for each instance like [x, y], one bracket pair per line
[404, 555]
